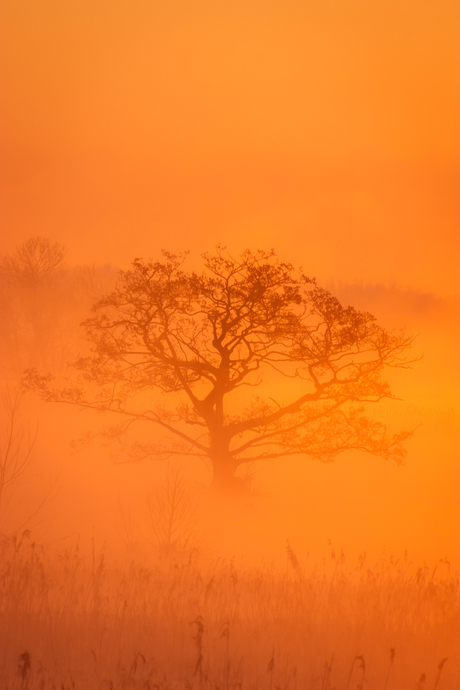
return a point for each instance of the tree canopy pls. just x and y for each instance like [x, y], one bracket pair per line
[253, 361]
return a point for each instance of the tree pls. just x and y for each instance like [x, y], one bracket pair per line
[203, 340]
[42, 303]
[17, 442]
[172, 512]
[16, 448]
[34, 261]
[27, 281]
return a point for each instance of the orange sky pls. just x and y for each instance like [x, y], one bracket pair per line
[325, 129]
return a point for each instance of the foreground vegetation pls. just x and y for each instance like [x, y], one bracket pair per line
[68, 621]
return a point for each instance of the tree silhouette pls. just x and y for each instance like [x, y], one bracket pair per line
[27, 280]
[17, 445]
[253, 360]
[34, 261]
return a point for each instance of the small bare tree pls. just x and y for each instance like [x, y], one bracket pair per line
[16, 448]
[172, 512]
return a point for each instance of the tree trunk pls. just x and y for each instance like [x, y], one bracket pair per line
[223, 475]
[223, 465]
[224, 468]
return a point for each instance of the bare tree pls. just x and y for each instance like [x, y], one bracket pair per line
[203, 342]
[29, 272]
[171, 512]
[16, 448]
[34, 261]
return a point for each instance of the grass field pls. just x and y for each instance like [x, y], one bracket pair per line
[69, 622]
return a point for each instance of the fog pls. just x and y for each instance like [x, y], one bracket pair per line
[82, 515]
[329, 133]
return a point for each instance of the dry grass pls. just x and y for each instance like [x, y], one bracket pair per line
[69, 622]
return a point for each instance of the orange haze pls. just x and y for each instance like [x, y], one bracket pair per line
[327, 129]
[324, 129]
